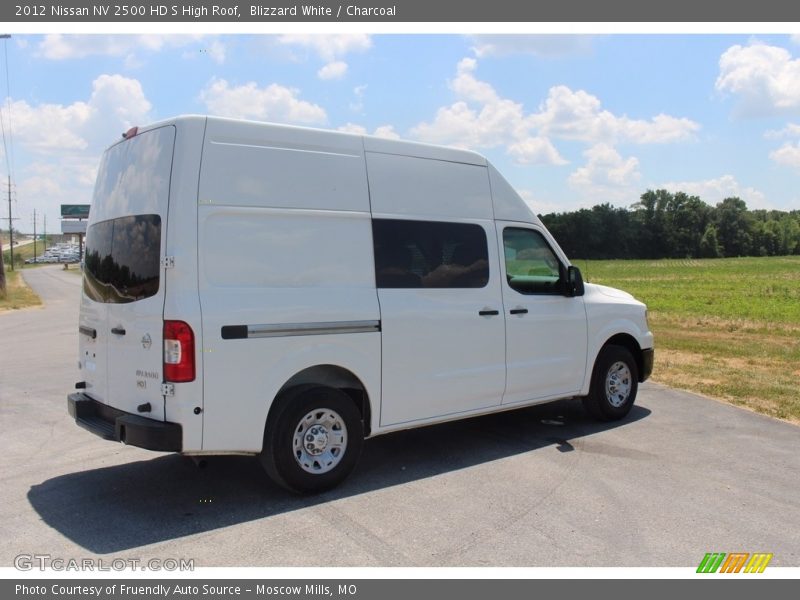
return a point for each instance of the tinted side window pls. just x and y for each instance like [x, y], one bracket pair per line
[427, 254]
[531, 265]
[123, 259]
[97, 261]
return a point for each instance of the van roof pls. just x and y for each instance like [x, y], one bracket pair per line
[508, 205]
[371, 143]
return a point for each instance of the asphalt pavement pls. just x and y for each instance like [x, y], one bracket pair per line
[546, 486]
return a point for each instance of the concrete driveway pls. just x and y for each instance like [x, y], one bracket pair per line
[682, 476]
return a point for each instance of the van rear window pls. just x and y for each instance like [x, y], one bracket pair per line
[123, 259]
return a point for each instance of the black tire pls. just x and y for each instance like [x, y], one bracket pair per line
[330, 421]
[615, 382]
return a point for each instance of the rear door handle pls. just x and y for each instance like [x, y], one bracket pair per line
[118, 330]
[487, 312]
[519, 311]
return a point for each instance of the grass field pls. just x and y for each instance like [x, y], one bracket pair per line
[727, 328]
[18, 294]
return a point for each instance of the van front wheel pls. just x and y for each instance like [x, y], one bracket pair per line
[313, 439]
[615, 381]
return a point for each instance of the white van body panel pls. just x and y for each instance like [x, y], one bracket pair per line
[508, 204]
[255, 164]
[407, 186]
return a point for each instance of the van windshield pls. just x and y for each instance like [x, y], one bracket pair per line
[123, 259]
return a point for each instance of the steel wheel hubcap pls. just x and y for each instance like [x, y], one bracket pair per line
[320, 441]
[618, 384]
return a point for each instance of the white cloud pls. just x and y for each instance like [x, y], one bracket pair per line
[333, 70]
[766, 79]
[795, 39]
[536, 151]
[116, 103]
[787, 155]
[63, 142]
[357, 105]
[712, 191]
[607, 176]
[328, 47]
[540, 45]
[578, 115]
[64, 47]
[216, 51]
[481, 118]
[271, 103]
[791, 130]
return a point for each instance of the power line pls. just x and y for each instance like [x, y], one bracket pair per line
[8, 102]
[6, 143]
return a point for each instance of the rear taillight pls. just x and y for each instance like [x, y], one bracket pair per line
[178, 352]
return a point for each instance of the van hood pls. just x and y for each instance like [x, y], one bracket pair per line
[609, 291]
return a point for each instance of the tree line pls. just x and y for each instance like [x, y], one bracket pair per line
[675, 225]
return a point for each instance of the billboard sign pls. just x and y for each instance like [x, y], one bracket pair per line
[75, 211]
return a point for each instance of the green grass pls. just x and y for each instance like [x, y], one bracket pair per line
[727, 328]
[18, 294]
[21, 253]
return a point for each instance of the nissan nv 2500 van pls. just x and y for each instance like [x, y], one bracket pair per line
[286, 292]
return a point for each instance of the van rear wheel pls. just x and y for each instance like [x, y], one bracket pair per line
[615, 382]
[312, 440]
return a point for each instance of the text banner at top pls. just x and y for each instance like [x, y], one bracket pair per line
[400, 11]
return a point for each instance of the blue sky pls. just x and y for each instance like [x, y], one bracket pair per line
[572, 121]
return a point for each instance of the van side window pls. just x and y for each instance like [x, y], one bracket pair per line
[429, 254]
[123, 259]
[531, 265]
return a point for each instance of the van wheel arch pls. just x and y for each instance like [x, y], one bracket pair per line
[332, 376]
[630, 343]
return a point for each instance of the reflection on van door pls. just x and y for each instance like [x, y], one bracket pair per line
[443, 338]
[545, 330]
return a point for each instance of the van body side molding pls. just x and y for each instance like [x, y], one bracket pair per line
[238, 332]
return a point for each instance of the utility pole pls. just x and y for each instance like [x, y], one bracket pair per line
[10, 226]
[34, 236]
[2, 274]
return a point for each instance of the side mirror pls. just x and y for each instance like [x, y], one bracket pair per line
[574, 284]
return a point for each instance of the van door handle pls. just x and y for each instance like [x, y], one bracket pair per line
[118, 330]
[487, 312]
[519, 311]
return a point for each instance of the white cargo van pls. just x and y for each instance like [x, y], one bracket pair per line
[286, 292]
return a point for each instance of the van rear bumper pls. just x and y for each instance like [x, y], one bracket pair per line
[116, 425]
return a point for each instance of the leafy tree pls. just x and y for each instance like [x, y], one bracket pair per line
[734, 226]
[709, 244]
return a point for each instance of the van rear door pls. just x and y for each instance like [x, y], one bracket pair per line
[124, 282]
